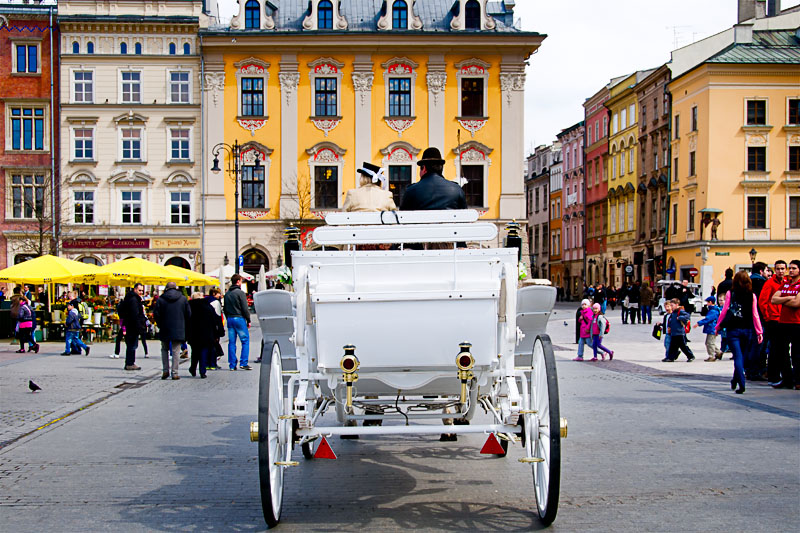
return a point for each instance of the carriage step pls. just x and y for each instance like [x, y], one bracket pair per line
[288, 417]
[285, 372]
[286, 463]
[531, 460]
[528, 412]
[324, 450]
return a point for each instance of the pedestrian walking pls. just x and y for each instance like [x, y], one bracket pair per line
[740, 317]
[171, 313]
[601, 297]
[600, 326]
[755, 369]
[676, 329]
[771, 313]
[131, 312]
[624, 300]
[634, 299]
[646, 302]
[788, 337]
[709, 323]
[664, 326]
[202, 333]
[585, 326]
[25, 326]
[214, 297]
[72, 331]
[237, 315]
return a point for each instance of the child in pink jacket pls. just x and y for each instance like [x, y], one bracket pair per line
[585, 327]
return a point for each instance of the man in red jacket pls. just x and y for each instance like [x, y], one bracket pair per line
[789, 326]
[772, 315]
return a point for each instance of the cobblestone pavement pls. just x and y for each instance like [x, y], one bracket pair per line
[650, 449]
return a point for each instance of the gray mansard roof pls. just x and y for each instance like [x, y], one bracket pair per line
[362, 16]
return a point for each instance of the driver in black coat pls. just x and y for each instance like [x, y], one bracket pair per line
[432, 191]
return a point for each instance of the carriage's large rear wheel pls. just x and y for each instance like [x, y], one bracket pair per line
[545, 440]
[272, 435]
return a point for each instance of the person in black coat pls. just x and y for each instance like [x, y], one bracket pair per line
[171, 313]
[131, 312]
[203, 330]
[432, 191]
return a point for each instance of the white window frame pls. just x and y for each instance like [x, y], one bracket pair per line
[474, 68]
[75, 204]
[72, 83]
[631, 158]
[142, 198]
[632, 115]
[120, 93]
[26, 42]
[143, 142]
[189, 81]
[748, 195]
[325, 156]
[391, 70]
[787, 110]
[614, 123]
[613, 218]
[172, 159]
[623, 118]
[691, 204]
[73, 139]
[766, 112]
[324, 67]
[179, 190]
[788, 212]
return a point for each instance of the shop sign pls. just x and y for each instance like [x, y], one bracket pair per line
[99, 244]
[174, 244]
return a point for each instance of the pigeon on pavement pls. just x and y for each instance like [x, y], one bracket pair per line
[33, 386]
[565, 323]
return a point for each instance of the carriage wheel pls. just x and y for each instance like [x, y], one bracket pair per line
[546, 443]
[272, 435]
[308, 449]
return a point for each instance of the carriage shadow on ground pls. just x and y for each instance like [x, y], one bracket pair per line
[373, 485]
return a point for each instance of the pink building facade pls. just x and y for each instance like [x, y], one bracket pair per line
[573, 217]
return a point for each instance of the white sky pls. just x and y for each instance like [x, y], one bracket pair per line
[591, 41]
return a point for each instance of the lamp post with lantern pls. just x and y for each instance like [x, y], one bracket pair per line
[234, 169]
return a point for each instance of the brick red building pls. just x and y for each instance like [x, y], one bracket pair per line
[28, 112]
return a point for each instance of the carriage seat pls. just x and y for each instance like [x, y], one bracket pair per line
[534, 306]
[276, 317]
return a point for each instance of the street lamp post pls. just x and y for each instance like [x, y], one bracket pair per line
[234, 154]
[753, 252]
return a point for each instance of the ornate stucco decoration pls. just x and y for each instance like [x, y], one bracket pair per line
[326, 66]
[325, 152]
[400, 152]
[414, 22]
[251, 67]
[254, 215]
[249, 151]
[436, 83]
[326, 125]
[289, 82]
[472, 125]
[362, 83]
[399, 67]
[755, 139]
[473, 152]
[252, 125]
[214, 82]
[511, 81]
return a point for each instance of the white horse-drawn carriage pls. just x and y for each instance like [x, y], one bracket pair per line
[407, 341]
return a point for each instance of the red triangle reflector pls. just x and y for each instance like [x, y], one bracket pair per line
[324, 450]
[492, 446]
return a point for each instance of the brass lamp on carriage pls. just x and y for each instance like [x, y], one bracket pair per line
[349, 365]
[513, 239]
[465, 361]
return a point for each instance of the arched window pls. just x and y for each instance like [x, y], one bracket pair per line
[325, 15]
[123, 48]
[90, 47]
[173, 49]
[89, 260]
[252, 15]
[472, 15]
[76, 47]
[187, 49]
[399, 15]
[178, 262]
[137, 49]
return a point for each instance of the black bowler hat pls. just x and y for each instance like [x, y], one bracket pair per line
[431, 156]
[365, 167]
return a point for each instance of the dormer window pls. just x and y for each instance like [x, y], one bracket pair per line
[325, 15]
[252, 15]
[472, 15]
[399, 15]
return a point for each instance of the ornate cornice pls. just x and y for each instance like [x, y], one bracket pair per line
[214, 82]
[436, 84]
[511, 81]
[288, 81]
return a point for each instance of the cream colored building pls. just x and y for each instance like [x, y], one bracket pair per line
[131, 129]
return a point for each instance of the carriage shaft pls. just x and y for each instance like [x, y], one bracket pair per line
[406, 430]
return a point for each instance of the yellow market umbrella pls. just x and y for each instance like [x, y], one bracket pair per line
[50, 269]
[193, 278]
[135, 270]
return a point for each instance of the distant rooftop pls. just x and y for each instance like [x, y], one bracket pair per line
[769, 47]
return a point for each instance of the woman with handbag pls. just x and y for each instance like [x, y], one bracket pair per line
[25, 320]
[740, 317]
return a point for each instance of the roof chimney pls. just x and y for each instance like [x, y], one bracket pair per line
[753, 9]
[743, 33]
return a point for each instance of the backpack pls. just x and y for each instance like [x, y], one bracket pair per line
[608, 327]
[83, 310]
[15, 309]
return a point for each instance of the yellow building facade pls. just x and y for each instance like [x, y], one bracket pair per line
[736, 159]
[312, 94]
[622, 168]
